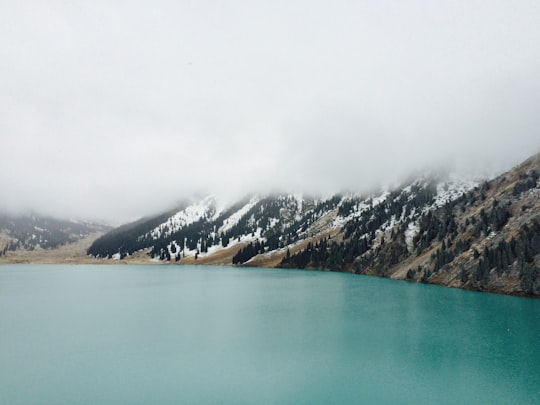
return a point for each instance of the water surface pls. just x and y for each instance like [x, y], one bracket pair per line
[170, 334]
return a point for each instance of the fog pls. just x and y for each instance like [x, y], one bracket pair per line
[113, 110]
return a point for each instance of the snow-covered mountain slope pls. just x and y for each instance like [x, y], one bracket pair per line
[206, 209]
[233, 219]
[208, 225]
[428, 224]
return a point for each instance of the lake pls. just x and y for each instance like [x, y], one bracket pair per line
[183, 334]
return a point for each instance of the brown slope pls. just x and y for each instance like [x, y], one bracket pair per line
[523, 208]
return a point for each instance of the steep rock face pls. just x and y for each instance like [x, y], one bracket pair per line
[466, 234]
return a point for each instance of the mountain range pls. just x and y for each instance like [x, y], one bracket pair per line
[31, 237]
[479, 235]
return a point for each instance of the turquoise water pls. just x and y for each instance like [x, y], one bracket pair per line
[182, 334]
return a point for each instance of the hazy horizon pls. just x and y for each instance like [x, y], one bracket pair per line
[115, 111]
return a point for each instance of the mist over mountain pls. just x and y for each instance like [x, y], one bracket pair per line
[111, 112]
[31, 237]
[481, 235]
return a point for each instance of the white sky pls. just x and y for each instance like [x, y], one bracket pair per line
[117, 109]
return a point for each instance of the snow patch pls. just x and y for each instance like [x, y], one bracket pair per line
[377, 200]
[232, 242]
[410, 233]
[207, 208]
[234, 218]
[299, 201]
[452, 190]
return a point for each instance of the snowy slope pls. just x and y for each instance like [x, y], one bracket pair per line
[207, 208]
[207, 225]
[451, 190]
[235, 217]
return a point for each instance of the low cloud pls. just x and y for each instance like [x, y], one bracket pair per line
[113, 113]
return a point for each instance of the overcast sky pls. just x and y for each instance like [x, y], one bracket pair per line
[117, 109]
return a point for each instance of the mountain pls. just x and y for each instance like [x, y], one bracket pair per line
[33, 237]
[449, 231]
